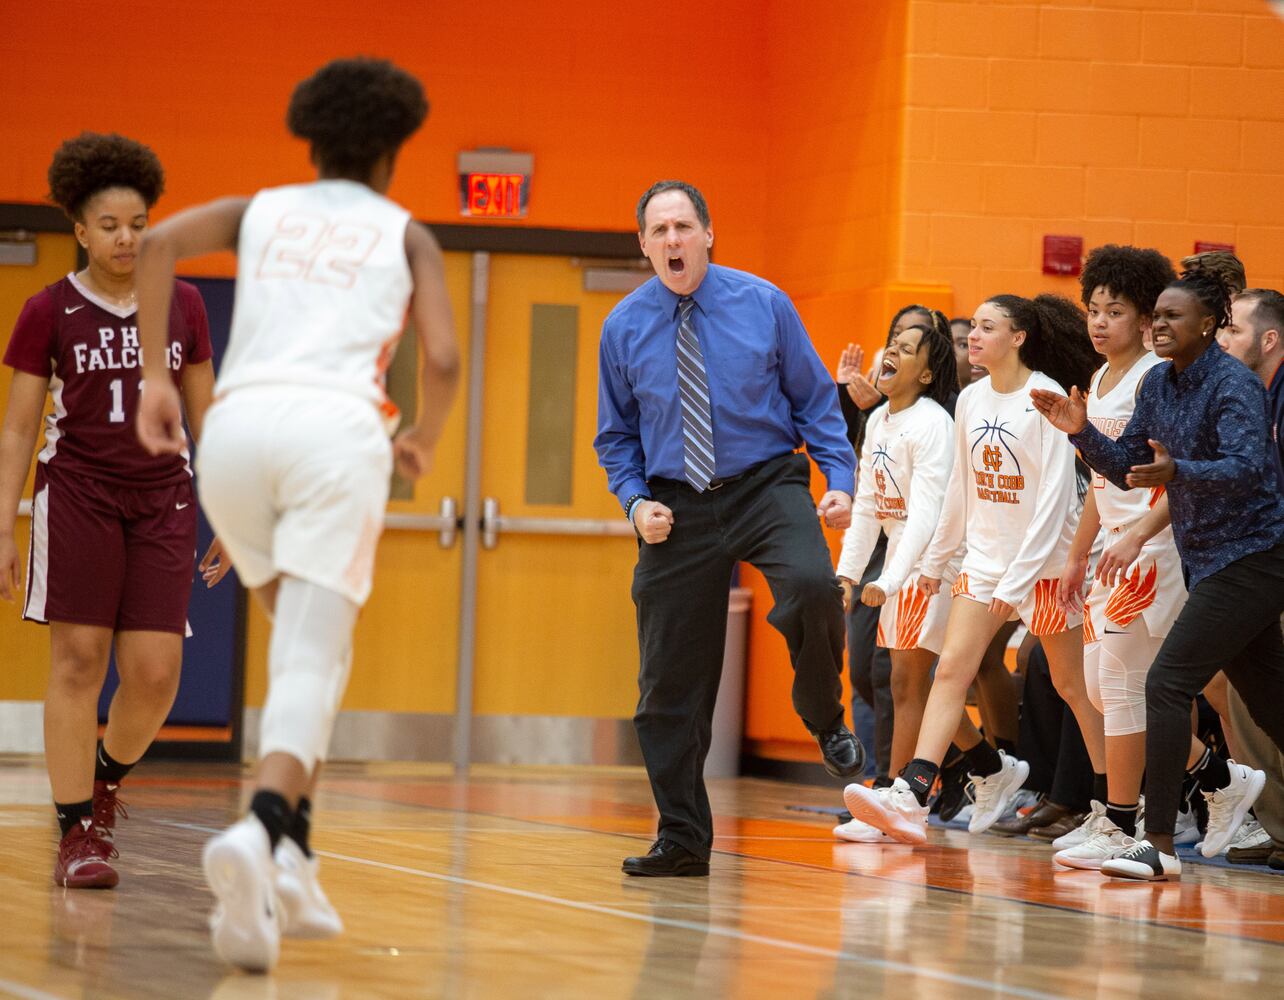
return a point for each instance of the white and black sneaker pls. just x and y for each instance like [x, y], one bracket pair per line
[245, 926]
[1142, 862]
[1228, 806]
[894, 810]
[308, 912]
[994, 791]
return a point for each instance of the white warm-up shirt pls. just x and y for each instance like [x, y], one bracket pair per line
[905, 467]
[1110, 415]
[1011, 499]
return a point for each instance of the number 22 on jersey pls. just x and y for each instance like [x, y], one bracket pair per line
[313, 248]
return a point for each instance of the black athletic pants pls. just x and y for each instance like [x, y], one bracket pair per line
[1050, 741]
[680, 586]
[870, 664]
[1231, 622]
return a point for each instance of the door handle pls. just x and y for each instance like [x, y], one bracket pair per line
[494, 524]
[446, 523]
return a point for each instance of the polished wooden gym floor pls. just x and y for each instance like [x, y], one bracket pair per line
[508, 885]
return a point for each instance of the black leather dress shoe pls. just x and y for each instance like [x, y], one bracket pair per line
[843, 754]
[1044, 814]
[666, 859]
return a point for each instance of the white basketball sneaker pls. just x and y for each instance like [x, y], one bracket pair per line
[892, 810]
[1107, 843]
[1228, 806]
[1085, 830]
[1144, 862]
[308, 913]
[995, 791]
[856, 832]
[238, 867]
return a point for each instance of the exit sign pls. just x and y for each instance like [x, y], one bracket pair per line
[496, 194]
[494, 183]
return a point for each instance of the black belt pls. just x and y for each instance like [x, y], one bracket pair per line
[720, 481]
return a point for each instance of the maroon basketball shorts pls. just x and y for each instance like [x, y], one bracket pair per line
[110, 555]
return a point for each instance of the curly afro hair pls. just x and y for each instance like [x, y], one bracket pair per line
[1056, 337]
[93, 162]
[1131, 273]
[353, 111]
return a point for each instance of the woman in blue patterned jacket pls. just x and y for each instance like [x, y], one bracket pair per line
[1200, 430]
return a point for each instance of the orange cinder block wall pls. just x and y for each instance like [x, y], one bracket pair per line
[1155, 123]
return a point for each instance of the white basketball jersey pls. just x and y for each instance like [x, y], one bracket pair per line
[1110, 415]
[322, 290]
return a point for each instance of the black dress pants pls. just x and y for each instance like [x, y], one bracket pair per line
[680, 587]
[1231, 622]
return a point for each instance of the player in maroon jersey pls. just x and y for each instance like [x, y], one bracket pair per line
[113, 529]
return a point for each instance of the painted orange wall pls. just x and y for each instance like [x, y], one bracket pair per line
[1153, 122]
[608, 99]
[833, 110]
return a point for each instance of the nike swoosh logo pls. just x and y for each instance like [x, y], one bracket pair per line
[1029, 409]
[181, 506]
[71, 309]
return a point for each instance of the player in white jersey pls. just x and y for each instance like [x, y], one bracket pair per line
[905, 465]
[295, 460]
[1138, 589]
[1011, 501]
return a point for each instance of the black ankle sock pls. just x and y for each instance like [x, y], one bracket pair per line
[273, 812]
[920, 775]
[1124, 817]
[983, 760]
[71, 813]
[1210, 772]
[301, 825]
[953, 758]
[1007, 746]
[1100, 790]
[106, 769]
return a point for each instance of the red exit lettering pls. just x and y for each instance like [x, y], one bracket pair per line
[495, 194]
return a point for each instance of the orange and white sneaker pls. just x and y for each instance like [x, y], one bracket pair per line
[893, 810]
[84, 858]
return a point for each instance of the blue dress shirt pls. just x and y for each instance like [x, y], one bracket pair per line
[768, 390]
[1225, 496]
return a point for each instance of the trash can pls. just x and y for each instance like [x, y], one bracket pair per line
[729, 712]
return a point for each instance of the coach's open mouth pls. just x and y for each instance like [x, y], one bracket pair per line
[677, 265]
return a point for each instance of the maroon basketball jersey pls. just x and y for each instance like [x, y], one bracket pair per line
[89, 351]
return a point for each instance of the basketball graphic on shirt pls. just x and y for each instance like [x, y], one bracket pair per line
[888, 496]
[992, 443]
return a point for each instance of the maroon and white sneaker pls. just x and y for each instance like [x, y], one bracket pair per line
[106, 808]
[84, 859]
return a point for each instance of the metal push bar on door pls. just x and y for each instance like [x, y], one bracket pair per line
[494, 524]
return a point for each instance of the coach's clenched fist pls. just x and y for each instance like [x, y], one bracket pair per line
[652, 520]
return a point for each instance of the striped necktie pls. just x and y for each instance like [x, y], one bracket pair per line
[693, 388]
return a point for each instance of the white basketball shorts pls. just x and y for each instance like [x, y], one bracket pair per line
[295, 480]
